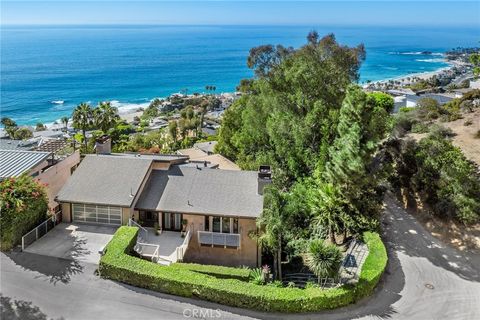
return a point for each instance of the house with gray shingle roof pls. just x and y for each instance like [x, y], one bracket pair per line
[44, 166]
[217, 208]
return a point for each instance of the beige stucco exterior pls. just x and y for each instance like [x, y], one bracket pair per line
[54, 177]
[247, 255]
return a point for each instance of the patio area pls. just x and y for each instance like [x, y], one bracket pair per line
[168, 241]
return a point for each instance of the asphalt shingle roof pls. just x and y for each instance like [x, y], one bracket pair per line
[105, 179]
[202, 191]
[13, 163]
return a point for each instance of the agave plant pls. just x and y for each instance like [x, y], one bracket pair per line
[323, 259]
[256, 276]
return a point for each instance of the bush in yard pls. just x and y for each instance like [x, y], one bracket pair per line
[23, 204]
[323, 259]
[212, 283]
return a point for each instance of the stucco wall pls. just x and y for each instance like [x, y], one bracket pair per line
[57, 175]
[246, 255]
[66, 212]
[161, 165]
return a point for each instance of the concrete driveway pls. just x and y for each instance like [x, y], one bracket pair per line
[73, 241]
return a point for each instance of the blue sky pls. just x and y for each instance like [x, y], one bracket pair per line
[386, 12]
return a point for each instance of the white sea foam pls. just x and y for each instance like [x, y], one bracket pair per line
[430, 60]
[126, 107]
[417, 53]
[58, 101]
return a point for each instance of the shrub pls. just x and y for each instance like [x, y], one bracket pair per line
[242, 274]
[178, 279]
[468, 122]
[256, 276]
[420, 128]
[323, 259]
[23, 204]
[447, 179]
[442, 131]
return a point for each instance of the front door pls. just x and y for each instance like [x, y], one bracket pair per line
[148, 218]
[172, 221]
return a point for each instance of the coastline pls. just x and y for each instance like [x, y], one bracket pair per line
[421, 75]
[128, 111]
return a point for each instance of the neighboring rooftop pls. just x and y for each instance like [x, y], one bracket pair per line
[52, 145]
[442, 99]
[106, 179]
[10, 144]
[16, 162]
[192, 153]
[48, 134]
[207, 147]
[174, 158]
[220, 161]
[202, 191]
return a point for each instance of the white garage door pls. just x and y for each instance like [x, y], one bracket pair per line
[97, 214]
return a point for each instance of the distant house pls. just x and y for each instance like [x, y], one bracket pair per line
[11, 144]
[48, 134]
[203, 152]
[412, 100]
[207, 147]
[43, 166]
[218, 207]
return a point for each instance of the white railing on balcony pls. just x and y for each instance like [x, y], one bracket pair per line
[142, 234]
[180, 251]
[219, 239]
[148, 250]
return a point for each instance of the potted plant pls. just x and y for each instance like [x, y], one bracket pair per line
[157, 229]
[184, 227]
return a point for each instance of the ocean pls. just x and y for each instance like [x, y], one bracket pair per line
[47, 70]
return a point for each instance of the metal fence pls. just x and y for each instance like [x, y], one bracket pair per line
[41, 230]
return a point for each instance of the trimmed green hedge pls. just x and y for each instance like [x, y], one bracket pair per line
[216, 271]
[211, 282]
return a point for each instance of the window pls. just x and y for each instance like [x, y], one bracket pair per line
[216, 221]
[225, 225]
[235, 225]
[207, 223]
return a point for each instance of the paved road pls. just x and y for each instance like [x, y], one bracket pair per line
[424, 280]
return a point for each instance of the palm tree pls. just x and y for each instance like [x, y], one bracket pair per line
[323, 259]
[273, 227]
[65, 122]
[327, 205]
[82, 120]
[105, 116]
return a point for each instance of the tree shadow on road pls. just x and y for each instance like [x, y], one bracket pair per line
[20, 310]
[55, 269]
[408, 236]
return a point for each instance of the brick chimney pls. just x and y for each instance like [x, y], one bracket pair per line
[264, 178]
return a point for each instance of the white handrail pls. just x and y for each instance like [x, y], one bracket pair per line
[180, 250]
[135, 224]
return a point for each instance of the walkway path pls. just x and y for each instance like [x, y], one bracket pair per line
[424, 280]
